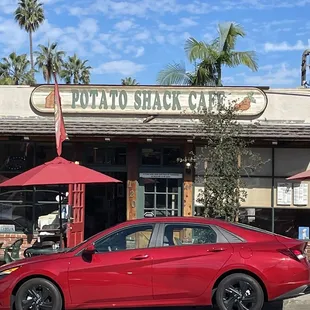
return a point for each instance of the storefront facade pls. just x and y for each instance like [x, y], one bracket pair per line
[137, 134]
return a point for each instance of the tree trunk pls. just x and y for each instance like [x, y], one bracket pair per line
[219, 74]
[31, 53]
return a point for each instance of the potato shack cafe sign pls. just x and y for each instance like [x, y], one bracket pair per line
[147, 100]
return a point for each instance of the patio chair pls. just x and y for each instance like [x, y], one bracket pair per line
[11, 252]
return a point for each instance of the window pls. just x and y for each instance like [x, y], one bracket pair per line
[137, 237]
[157, 156]
[98, 154]
[161, 197]
[179, 234]
[256, 217]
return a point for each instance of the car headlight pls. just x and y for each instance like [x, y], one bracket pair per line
[7, 271]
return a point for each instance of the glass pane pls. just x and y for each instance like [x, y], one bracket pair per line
[127, 239]
[257, 217]
[160, 213]
[151, 156]
[173, 204]
[161, 201]
[293, 223]
[120, 156]
[173, 185]
[149, 185]
[171, 156]
[189, 234]
[161, 185]
[149, 201]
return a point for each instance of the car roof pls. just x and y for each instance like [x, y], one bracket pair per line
[173, 219]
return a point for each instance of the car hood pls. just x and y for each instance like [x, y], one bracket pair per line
[36, 259]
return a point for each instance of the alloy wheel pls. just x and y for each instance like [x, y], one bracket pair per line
[37, 297]
[239, 295]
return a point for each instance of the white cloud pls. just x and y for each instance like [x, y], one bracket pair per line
[70, 39]
[274, 75]
[12, 38]
[124, 25]
[285, 46]
[122, 67]
[112, 8]
[9, 6]
[184, 23]
[142, 36]
[134, 51]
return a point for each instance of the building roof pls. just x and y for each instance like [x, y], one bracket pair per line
[176, 128]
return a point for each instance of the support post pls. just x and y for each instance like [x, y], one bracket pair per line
[132, 181]
[188, 184]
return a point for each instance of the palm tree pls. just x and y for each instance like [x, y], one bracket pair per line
[75, 70]
[209, 59]
[30, 15]
[128, 81]
[49, 59]
[14, 69]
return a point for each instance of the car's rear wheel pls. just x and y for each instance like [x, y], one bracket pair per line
[239, 291]
[38, 294]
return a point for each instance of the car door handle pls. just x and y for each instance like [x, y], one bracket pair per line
[216, 250]
[140, 257]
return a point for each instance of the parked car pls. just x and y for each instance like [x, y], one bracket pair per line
[167, 261]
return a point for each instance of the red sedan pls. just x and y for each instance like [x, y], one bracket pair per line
[162, 262]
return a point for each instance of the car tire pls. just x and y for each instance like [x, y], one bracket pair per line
[38, 291]
[239, 289]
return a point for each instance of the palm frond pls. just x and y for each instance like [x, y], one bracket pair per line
[174, 74]
[196, 49]
[247, 58]
[228, 34]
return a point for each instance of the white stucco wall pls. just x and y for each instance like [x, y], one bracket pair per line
[284, 105]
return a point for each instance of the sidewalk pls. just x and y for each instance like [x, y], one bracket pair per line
[299, 303]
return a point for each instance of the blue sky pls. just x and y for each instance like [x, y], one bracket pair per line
[140, 37]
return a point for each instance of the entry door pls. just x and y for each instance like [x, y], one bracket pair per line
[75, 229]
[160, 197]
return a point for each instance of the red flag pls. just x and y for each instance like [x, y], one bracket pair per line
[60, 130]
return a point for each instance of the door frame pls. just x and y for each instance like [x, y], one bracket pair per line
[140, 194]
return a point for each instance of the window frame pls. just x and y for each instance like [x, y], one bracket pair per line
[161, 147]
[222, 238]
[152, 242]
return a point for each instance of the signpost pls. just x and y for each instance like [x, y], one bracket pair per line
[148, 100]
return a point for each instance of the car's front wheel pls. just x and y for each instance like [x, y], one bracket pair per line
[38, 294]
[239, 291]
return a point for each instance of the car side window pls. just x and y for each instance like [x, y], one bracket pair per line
[185, 234]
[136, 237]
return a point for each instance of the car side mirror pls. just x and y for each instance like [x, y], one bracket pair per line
[89, 250]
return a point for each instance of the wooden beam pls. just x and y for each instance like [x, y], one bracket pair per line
[132, 181]
[188, 184]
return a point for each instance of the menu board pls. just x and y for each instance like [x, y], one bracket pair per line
[300, 194]
[284, 194]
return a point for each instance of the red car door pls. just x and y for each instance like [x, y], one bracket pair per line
[185, 264]
[121, 270]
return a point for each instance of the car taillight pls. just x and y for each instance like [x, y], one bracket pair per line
[299, 254]
[295, 253]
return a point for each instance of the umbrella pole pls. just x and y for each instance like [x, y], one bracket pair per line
[60, 219]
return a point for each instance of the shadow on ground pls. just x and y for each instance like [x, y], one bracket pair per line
[269, 306]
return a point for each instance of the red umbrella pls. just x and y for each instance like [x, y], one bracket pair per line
[302, 176]
[58, 171]
[3, 178]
